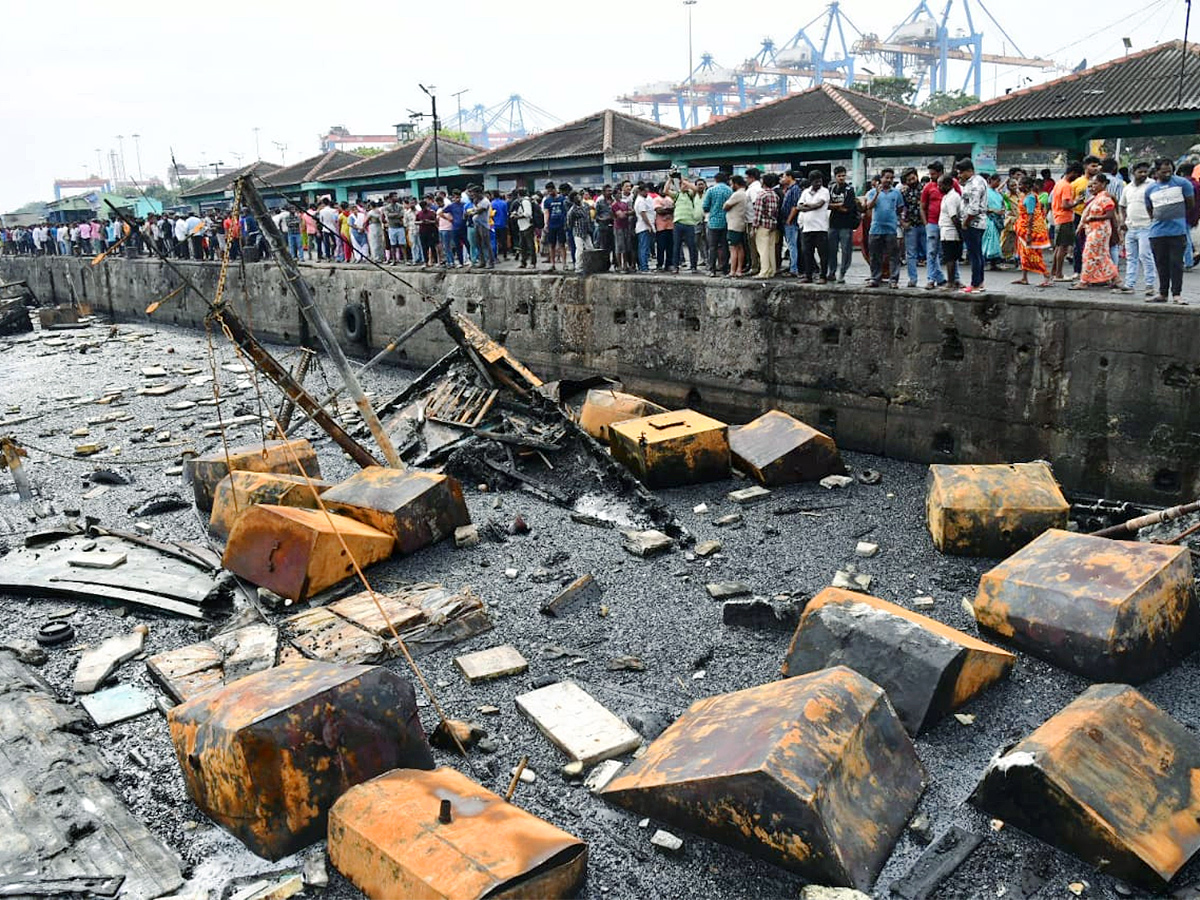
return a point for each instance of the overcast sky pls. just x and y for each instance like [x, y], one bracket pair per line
[77, 74]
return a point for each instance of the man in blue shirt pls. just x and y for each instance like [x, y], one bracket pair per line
[789, 214]
[718, 234]
[499, 223]
[1170, 200]
[554, 235]
[886, 203]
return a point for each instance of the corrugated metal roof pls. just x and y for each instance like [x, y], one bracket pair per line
[223, 183]
[602, 133]
[312, 168]
[1144, 82]
[408, 157]
[823, 111]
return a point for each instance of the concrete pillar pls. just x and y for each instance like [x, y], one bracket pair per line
[858, 169]
[607, 173]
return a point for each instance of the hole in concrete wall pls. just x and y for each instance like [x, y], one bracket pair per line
[619, 317]
[1022, 353]
[400, 301]
[1179, 376]
[831, 334]
[283, 290]
[522, 307]
[365, 297]
[1167, 481]
[952, 345]
[1104, 362]
[692, 322]
[943, 442]
[693, 399]
[901, 332]
[849, 331]
[827, 421]
[795, 331]
[472, 306]
[737, 323]
[287, 337]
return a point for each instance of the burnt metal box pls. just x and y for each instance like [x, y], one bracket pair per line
[603, 407]
[239, 490]
[266, 756]
[992, 510]
[778, 449]
[1107, 610]
[296, 552]
[928, 669]
[416, 508]
[814, 773]
[1112, 779]
[672, 448]
[280, 457]
[389, 838]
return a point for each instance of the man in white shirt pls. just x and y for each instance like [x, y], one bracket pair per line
[754, 187]
[814, 228]
[181, 241]
[327, 215]
[643, 213]
[1136, 221]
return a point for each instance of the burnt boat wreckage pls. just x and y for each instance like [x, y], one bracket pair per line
[287, 731]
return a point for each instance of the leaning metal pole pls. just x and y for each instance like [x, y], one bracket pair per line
[303, 292]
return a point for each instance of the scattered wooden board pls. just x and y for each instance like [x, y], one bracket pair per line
[495, 662]
[191, 670]
[576, 723]
[321, 634]
[99, 662]
[427, 616]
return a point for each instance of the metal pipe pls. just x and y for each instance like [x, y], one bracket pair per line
[12, 459]
[312, 315]
[288, 407]
[1133, 526]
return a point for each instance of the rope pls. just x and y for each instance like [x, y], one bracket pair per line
[87, 461]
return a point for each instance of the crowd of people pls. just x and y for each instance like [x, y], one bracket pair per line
[958, 225]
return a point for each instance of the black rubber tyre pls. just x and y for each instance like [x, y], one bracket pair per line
[354, 322]
[54, 633]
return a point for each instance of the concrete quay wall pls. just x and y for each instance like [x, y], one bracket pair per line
[1107, 390]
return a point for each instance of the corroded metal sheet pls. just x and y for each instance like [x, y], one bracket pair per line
[296, 552]
[387, 837]
[928, 669]
[992, 510]
[1112, 779]
[778, 449]
[239, 490]
[267, 756]
[266, 456]
[417, 508]
[814, 773]
[604, 407]
[1108, 610]
[673, 448]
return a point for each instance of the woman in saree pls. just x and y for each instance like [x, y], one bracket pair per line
[995, 223]
[1032, 233]
[1098, 221]
[1008, 235]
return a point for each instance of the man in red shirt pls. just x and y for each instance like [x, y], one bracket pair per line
[931, 207]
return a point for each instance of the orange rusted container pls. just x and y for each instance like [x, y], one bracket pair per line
[417, 508]
[389, 838]
[778, 449]
[992, 510]
[206, 472]
[1107, 610]
[604, 407]
[928, 669]
[673, 448]
[296, 552]
[1112, 779]
[266, 756]
[814, 773]
[239, 490]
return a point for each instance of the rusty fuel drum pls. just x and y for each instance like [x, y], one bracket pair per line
[1112, 779]
[296, 552]
[604, 407]
[267, 755]
[1107, 610]
[416, 508]
[992, 510]
[778, 449]
[440, 836]
[673, 448]
[239, 490]
[928, 669]
[814, 773]
[265, 456]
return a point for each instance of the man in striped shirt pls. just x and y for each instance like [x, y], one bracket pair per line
[766, 225]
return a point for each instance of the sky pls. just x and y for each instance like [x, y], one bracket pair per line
[199, 78]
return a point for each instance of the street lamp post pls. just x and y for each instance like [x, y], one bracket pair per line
[137, 146]
[257, 151]
[121, 144]
[689, 4]
[437, 167]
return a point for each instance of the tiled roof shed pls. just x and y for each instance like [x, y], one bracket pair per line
[411, 157]
[1142, 83]
[821, 112]
[605, 134]
[223, 183]
[312, 168]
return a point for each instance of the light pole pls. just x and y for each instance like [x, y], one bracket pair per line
[121, 144]
[437, 167]
[282, 148]
[458, 98]
[257, 151]
[137, 147]
[689, 4]
[99, 164]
